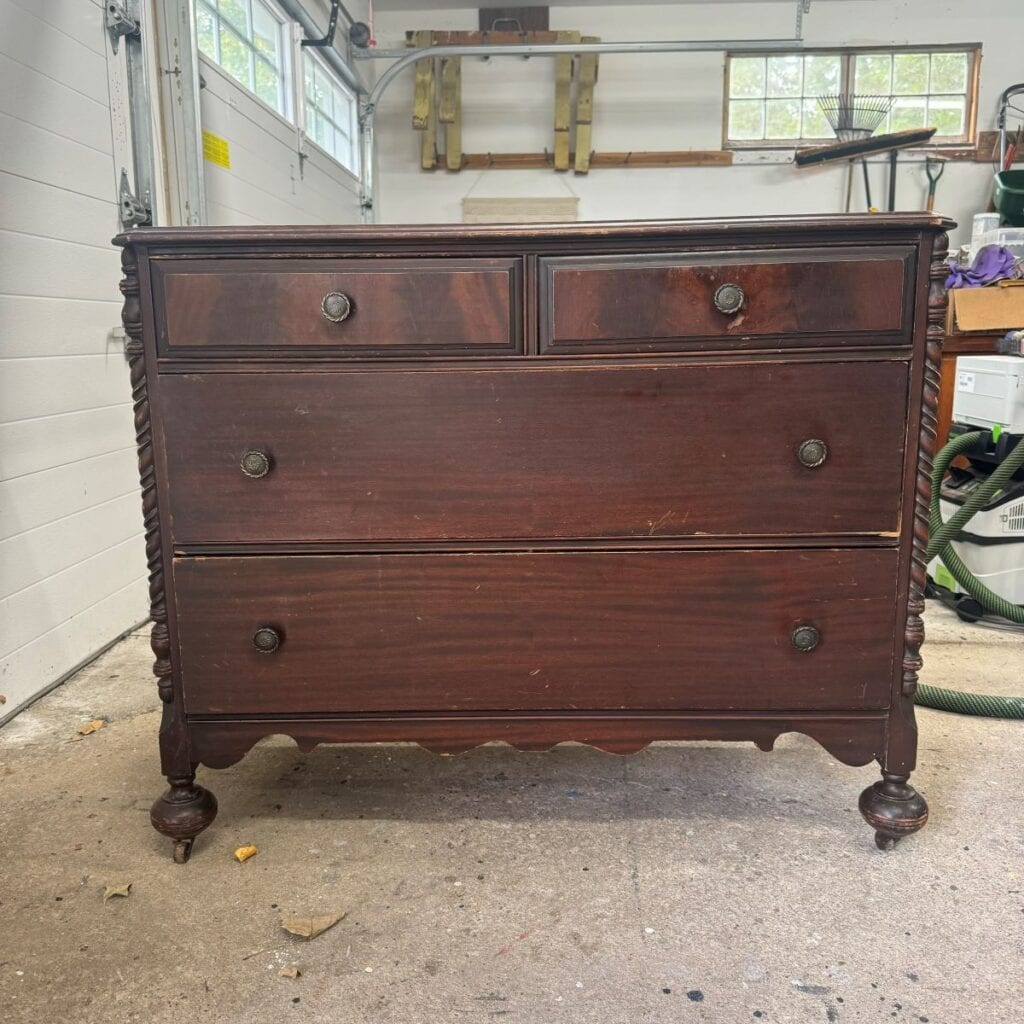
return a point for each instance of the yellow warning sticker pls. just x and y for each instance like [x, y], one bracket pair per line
[216, 150]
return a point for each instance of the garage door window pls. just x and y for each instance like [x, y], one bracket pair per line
[331, 120]
[246, 38]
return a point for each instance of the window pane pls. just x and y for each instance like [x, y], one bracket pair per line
[873, 74]
[815, 123]
[234, 56]
[782, 119]
[910, 74]
[907, 113]
[949, 72]
[235, 12]
[746, 77]
[267, 85]
[310, 121]
[266, 34]
[947, 114]
[785, 75]
[822, 73]
[206, 32]
[324, 133]
[323, 92]
[746, 119]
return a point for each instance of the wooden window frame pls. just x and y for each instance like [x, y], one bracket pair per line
[967, 140]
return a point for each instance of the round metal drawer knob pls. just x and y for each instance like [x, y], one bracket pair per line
[336, 306]
[255, 463]
[805, 638]
[729, 299]
[812, 453]
[266, 640]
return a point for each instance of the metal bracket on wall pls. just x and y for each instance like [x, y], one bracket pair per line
[127, 21]
[135, 212]
[802, 7]
[120, 23]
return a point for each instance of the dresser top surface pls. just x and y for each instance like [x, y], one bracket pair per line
[833, 226]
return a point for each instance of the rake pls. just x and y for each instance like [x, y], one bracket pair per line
[853, 118]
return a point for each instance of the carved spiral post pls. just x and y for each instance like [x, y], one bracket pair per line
[185, 809]
[131, 317]
[892, 807]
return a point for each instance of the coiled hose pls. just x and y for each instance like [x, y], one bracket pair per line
[942, 533]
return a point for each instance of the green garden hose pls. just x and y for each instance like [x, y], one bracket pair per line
[939, 545]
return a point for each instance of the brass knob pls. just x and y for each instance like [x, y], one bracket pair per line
[336, 306]
[812, 453]
[255, 463]
[805, 638]
[266, 640]
[729, 299]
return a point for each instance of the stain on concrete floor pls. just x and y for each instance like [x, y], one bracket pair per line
[690, 882]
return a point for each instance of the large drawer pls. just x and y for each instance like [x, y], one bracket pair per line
[686, 301]
[278, 308]
[545, 453]
[535, 631]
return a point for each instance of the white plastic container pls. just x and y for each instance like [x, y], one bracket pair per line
[1008, 238]
[990, 392]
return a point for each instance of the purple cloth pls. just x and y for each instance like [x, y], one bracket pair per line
[992, 263]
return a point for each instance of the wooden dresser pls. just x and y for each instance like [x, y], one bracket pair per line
[611, 483]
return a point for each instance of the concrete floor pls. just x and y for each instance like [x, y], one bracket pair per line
[701, 882]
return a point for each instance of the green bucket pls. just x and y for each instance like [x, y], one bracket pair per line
[1009, 197]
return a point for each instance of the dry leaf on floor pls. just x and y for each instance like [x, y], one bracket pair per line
[3, 698]
[243, 853]
[91, 727]
[116, 890]
[307, 927]
[290, 972]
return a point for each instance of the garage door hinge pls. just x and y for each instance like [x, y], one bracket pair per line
[120, 22]
[135, 212]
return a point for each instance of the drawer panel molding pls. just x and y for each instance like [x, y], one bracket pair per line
[724, 449]
[746, 299]
[712, 631]
[342, 308]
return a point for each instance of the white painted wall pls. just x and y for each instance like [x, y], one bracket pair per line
[72, 559]
[675, 102]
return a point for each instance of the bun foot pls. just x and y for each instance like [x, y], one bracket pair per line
[894, 809]
[182, 813]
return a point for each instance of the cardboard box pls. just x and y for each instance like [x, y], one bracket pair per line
[991, 310]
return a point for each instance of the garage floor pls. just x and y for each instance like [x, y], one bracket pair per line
[686, 883]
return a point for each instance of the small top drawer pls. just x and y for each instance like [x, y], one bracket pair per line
[337, 307]
[725, 299]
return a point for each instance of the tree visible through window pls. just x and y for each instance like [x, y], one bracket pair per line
[330, 113]
[771, 98]
[245, 37]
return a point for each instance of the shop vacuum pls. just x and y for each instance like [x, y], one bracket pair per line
[976, 548]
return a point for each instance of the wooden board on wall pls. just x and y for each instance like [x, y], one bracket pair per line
[545, 210]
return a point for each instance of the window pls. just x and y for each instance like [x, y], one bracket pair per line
[771, 98]
[331, 120]
[246, 38]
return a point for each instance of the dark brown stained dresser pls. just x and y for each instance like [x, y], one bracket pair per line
[610, 483]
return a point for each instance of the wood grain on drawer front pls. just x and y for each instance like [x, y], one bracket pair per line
[572, 630]
[424, 306]
[651, 302]
[585, 452]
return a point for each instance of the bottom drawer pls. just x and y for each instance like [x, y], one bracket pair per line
[577, 630]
